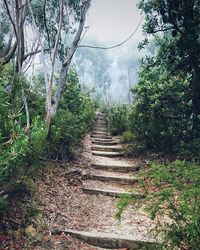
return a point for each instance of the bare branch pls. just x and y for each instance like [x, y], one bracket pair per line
[11, 19]
[8, 46]
[45, 23]
[78, 33]
[32, 53]
[114, 46]
[9, 55]
[164, 29]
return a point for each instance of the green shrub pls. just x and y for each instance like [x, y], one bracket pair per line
[118, 119]
[20, 151]
[127, 137]
[179, 192]
[175, 203]
[14, 154]
[74, 118]
[161, 116]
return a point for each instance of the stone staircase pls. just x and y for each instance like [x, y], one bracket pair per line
[110, 175]
[107, 165]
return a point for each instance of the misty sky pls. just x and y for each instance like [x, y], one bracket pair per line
[113, 20]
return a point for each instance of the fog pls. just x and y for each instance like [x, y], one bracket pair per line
[110, 74]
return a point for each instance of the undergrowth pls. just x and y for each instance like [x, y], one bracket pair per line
[173, 199]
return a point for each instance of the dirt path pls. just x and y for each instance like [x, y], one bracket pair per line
[79, 208]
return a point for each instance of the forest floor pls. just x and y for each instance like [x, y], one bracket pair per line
[61, 203]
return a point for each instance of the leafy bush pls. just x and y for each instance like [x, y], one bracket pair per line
[161, 114]
[14, 154]
[172, 197]
[19, 150]
[178, 197]
[127, 137]
[118, 119]
[75, 117]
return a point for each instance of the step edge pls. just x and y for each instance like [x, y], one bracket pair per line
[102, 239]
[115, 177]
[114, 192]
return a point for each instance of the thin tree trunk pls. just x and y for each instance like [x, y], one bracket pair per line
[67, 62]
[196, 103]
[53, 59]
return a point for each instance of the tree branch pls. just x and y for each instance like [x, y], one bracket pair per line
[164, 29]
[45, 23]
[8, 46]
[9, 55]
[175, 25]
[78, 33]
[114, 46]
[11, 19]
[32, 53]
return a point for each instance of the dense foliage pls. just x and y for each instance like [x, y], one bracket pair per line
[161, 116]
[21, 150]
[178, 201]
[181, 19]
[118, 119]
[74, 118]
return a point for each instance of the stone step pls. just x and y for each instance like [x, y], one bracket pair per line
[101, 130]
[107, 154]
[100, 126]
[115, 192]
[103, 139]
[104, 143]
[100, 133]
[113, 177]
[101, 136]
[100, 117]
[117, 168]
[107, 148]
[111, 241]
[101, 122]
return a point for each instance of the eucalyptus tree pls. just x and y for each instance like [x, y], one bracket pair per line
[51, 28]
[62, 33]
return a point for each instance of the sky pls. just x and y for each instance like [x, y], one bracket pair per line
[113, 20]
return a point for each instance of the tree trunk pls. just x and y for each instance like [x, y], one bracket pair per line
[65, 67]
[50, 82]
[196, 103]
